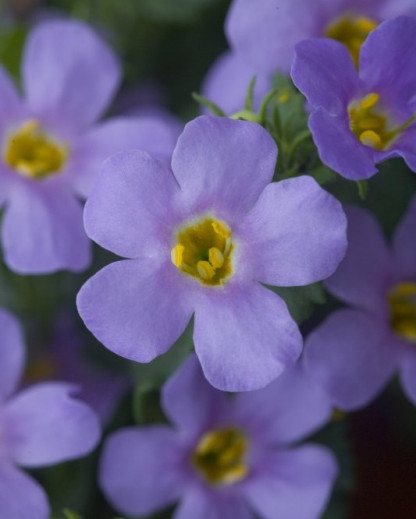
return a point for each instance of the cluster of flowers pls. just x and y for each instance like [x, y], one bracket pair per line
[202, 228]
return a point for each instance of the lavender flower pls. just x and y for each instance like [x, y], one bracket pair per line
[355, 351]
[41, 425]
[51, 147]
[361, 119]
[265, 32]
[224, 458]
[199, 241]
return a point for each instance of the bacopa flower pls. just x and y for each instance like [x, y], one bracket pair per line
[200, 240]
[361, 119]
[264, 33]
[224, 458]
[51, 147]
[227, 81]
[355, 351]
[42, 425]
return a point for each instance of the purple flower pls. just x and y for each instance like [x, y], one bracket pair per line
[42, 425]
[265, 32]
[361, 119]
[355, 351]
[224, 457]
[51, 146]
[199, 241]
[227, 82]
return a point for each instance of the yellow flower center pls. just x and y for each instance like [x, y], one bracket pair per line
[352, 31]
[203, 250]
[33, 153]
[220, 456]
[371, 125]
[402, 300]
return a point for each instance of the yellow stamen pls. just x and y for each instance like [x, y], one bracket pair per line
[205, 270]
[176, 255]
[402, 301]
[221, 229]
[216, 257]
[372, 139]
[33, 153]
[369, 101]
[220, 456]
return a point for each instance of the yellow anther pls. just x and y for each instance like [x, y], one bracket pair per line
[402, 300]
[369, 101]
[221, 229]
[365, 24]
[216, 257]
[372, 139]
[176, 255]
[205, 270]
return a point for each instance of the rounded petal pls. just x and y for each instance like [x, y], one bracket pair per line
[339, 148]
[20, 495]
[295, 234]
[140, 470]
[404, 243]
[45, 425]
[294, 484]
[223, 163]
[366, 272]
[227, 82]
[266, 35]
[201, 504]
[43, 231]
[405, 147]
[287, 410]
[136, 308]
[69, 73]
[408, 373]
[352, 356]
[388, 60]
[12, 354]
[131, 210]
[189, 401]
[150, 134]
[324, 72]
[244, 337]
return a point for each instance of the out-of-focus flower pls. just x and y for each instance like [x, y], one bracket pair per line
[361, 119]
[200, 240]
[51, 146]
[68, 359]
[265, 32]
[42, 425]
[225, 457]
[355, 351]
[227, 82]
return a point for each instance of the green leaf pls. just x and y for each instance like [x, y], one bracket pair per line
[68, 514]
[215, 109]
[248, 104]
[11, 47]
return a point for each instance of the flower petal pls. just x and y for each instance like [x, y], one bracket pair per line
[136, 308]
[265, 36]
[352, 357]
[223, 163]
[339, 148]
[46, 425]
[367, 269]
[12, 353]
[296, 233]
[408, 373]
[244, 337]
[324, 72]
[140, 470]
[201, 504]
[388, 60]
[69, 73]
[131, 210]
[294, 484]
[189, 413]
[20, 495]
[227, 82]
[404, 243]
[121, 134]
[11, 108]
[290, 408]
[43, 231]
